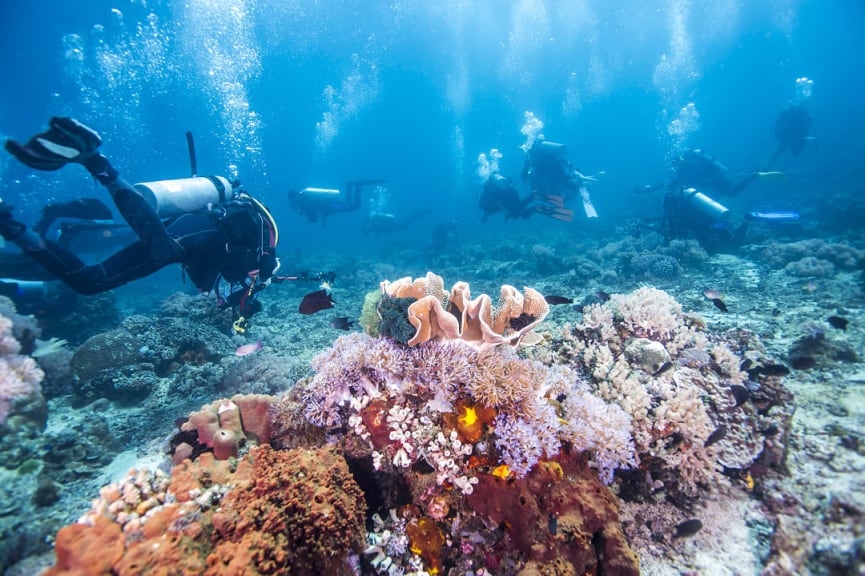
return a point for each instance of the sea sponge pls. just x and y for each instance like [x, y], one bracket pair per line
[301, 513]
[226, 425]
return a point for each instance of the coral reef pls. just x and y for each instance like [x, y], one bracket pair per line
[431, 448]
[816, 253]
[439, 417]
[677, 382]
[20, 376]
[126, 364]
[290, 512]
[225, 426]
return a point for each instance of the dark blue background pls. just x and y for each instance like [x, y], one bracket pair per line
[512, 57]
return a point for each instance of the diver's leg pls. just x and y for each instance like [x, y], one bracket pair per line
[743, 183]
[128, 264]
[135, 209]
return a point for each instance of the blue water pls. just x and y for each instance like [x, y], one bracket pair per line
[303, 93]
[296, 93]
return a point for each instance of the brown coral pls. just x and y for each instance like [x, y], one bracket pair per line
[225, 425]
[559, 514]
[296, 512]
[302, 513]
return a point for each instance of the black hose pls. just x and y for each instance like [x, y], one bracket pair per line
[193, 163]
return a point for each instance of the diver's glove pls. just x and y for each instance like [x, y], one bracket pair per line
[66, 141]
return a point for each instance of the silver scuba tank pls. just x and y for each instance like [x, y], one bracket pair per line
[709, 207]
[320, 192]
[174, 197]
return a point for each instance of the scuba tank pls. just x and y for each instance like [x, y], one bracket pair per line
[550, 149]
[320, 192]
[175, 197]
[707, 206]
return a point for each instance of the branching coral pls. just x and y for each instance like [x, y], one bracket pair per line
[20, 377]
[670, 377]
[412, 404]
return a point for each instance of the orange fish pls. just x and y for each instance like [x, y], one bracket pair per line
[248, 349]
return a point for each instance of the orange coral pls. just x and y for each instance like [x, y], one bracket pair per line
[301, 514]
[426, 540]
[295, 512]
[87, 550]
[469, 420]
[374, 416]
[556, 513]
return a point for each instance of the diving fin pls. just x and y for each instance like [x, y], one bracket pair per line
[81, 209]
[563, 214]
[771, 175]
[588, 207]
[553, 199]
[777, 216]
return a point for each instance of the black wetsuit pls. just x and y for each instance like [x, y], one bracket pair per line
[696, 169]
[499, 195]
[792, 130]
[227, 243]
[548, 172]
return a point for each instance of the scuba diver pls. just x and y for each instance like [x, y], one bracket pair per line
[690, 213]
[207, 224]
[553, 179]
[500, 195]
[792, 130]
[794, 125]
[317, 204]
[697, 169]
[386, 223]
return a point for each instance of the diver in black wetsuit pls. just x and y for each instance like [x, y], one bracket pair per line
[317, 204]
[234, 240]
[500, 195]
[792, 130]
[696, 169]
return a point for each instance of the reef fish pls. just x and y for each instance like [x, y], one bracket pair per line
[716, 436]
[248, 349]
[664, 367]
[838, 322]
[341, 323]
[740, 394]
[602, 296]
[316, 302]
[719, 304]
[712, 294]
[554, 300]
[687, 528]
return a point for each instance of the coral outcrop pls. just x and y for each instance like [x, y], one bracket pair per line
[691, 403]
[225, 426]
[440, 315]
[436, 419]
[296, 512]
[20, 378]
